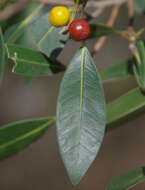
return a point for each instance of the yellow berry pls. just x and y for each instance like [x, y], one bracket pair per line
[59, 16]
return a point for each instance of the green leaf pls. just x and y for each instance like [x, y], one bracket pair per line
[128, 180]
[125, 106]
[139, 5]
[2, 55]
[17, 33]
[46, 38]
[118, 71]
[139, 66]
[39, 34]
[98, 30]
[80, 115]
[30, 62]
[16, 136]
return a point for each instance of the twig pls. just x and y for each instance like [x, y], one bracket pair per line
[95, 14]
[103, 3]
[21, 4]
[110, 23]
[130, 13]
[13, 9]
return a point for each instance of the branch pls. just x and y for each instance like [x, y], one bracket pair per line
[103, 3]
[9, 11]
[130, 14]
[21, 5]
[110, 23]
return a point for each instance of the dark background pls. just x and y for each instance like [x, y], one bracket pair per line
[39, 166]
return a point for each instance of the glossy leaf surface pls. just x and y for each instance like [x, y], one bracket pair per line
[80, 115]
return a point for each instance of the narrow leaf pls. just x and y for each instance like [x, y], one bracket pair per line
[2, 55]
[16, 136]
[30, 62]
[124, 106]
[118, 71]
[80, 115]
[128, 180]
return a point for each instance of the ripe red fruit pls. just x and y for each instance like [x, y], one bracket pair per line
[122, 36]
[79, 29]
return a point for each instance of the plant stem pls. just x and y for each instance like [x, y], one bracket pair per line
[110, 23]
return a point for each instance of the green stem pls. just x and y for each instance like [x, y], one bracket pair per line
[75, 10]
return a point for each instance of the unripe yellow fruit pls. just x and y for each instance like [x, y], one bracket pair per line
[59, 16]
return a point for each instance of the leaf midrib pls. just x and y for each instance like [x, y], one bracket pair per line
[30, 62]
[26, 135]
[45, 35]
[81, 97]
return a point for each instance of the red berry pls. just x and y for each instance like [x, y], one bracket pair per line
[122, 36]
[79, 29]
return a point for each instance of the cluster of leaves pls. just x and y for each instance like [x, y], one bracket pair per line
[32, 45]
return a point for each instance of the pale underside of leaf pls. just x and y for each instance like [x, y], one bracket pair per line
[80, 115]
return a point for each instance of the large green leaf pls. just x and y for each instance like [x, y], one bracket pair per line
[118, 71]
[2, 55]
[16, 136]
[128, 180]
[98, 30]
[80, 115]
[139, 5]
[30, 62]
[124, 106]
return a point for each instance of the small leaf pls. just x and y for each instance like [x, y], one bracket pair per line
[118, 71]
[2, 55]
[98, 30]
[16, 136]
[139, 5]
[128, 180]
[80, 115]
[124, 106]
[139, 66]
[30, 62]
